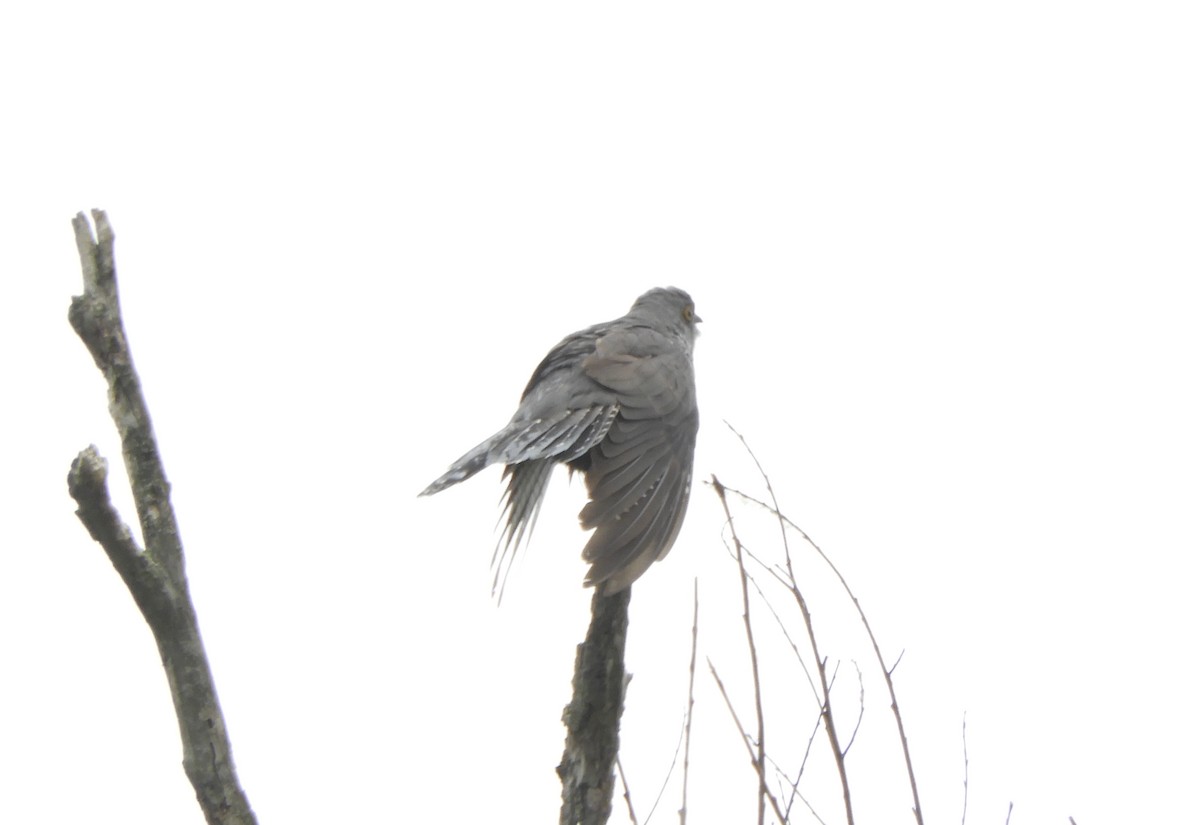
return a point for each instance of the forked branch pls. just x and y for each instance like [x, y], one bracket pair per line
[155, 575]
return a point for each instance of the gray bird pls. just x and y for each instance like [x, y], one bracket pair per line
[617, 402]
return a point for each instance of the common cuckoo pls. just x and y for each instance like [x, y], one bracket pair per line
[617, 402]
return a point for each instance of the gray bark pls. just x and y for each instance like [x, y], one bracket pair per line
[155, 576]
[593, 717]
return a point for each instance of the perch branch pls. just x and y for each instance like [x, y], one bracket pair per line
[593, 717]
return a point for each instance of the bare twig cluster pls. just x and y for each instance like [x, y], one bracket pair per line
[784, 575]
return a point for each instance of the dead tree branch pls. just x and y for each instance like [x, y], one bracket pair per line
[593, 717]
[155, 576]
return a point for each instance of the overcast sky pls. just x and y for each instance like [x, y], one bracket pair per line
[947, 260]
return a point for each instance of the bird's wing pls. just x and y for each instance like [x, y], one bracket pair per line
[564, 435]
[639, 476]
[562, 415]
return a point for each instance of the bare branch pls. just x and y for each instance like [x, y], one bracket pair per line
[812, 737]
[758, 709]
[628, 799]
[795, 786]
[746, 741]
[155, 576]
[96, 317]
[862, 707]
[966, 773]
[782, 579]
[802, 603]
[593, 716]
[670, 770]
[887, 673]
[691, 700]
[87, 483]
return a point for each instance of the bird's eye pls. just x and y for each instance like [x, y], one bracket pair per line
[688, 314]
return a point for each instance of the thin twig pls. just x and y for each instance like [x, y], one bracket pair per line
[804, 763]
[670, 770]
[966, 769]
[1009, 817]
[795, 787]
[775, 613]
[691, 700]
[862, 707]
[746, 741]
[802, 603]
[758, 709]
[625, 786]
[887, 673]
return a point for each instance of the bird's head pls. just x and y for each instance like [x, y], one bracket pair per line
[669, 309]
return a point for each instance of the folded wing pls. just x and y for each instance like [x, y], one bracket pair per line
[639, 476]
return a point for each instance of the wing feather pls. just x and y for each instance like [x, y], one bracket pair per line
[639, 476]
[617, 402]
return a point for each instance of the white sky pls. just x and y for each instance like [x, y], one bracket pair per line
[947, 259]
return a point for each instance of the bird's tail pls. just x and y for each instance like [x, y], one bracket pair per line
[483, 455]
[522, 502]
[563, 437]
